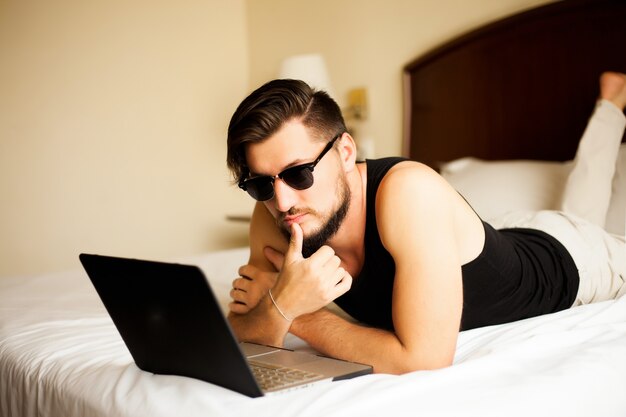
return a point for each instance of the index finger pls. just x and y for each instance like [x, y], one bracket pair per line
[294, 252]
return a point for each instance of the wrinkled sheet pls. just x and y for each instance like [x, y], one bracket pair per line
[60, 355]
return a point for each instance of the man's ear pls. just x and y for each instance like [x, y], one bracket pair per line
[347, 151]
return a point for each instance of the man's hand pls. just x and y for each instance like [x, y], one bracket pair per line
[250, 288]
[306, 285]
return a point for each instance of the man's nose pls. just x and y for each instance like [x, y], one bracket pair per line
[284, 195]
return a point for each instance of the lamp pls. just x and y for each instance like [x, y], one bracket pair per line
[310, 68]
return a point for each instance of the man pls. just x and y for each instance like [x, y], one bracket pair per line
[388, 240]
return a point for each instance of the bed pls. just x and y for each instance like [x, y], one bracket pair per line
[60, 354]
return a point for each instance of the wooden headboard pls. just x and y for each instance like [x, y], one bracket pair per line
[520, 88]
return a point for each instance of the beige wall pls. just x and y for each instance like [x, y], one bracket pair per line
[113, 113]
[365, 43]
[113, 116]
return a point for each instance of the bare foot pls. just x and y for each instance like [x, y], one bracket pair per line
[613, 88]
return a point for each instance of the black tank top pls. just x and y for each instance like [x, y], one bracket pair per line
[520, 273]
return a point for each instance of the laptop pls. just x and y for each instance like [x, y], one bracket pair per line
[172, 324]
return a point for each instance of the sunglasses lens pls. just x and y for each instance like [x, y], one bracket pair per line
[299, 178]
[261, 188]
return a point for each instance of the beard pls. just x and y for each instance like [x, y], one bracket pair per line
[320, 237]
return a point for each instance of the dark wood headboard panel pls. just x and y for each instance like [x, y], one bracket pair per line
[522, 87]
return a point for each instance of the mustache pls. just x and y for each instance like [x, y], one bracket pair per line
[280, 219]
[294, 212]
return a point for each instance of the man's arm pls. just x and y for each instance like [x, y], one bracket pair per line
[253, 317]
[263, 325]
[420, 231]
[333, 336]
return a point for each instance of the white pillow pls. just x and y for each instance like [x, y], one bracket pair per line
[494, 188]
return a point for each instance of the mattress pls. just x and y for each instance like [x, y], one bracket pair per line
[61, 355]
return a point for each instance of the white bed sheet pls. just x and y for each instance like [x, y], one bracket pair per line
[60, 355]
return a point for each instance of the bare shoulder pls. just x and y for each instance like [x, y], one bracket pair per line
[409, 179]
[415, 205]
[411, 196]
[264, 232]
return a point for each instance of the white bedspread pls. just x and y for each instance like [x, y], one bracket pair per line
[61, 356]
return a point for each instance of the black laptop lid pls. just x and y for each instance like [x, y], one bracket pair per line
[170, 320]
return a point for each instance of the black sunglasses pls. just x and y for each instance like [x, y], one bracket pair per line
[299, 177]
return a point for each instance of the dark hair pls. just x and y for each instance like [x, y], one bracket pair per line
[266, 109]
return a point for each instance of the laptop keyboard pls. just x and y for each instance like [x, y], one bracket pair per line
[272, 377]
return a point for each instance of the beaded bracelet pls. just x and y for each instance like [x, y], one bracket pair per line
[278, 308]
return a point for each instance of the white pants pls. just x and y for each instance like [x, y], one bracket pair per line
[599, 256]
